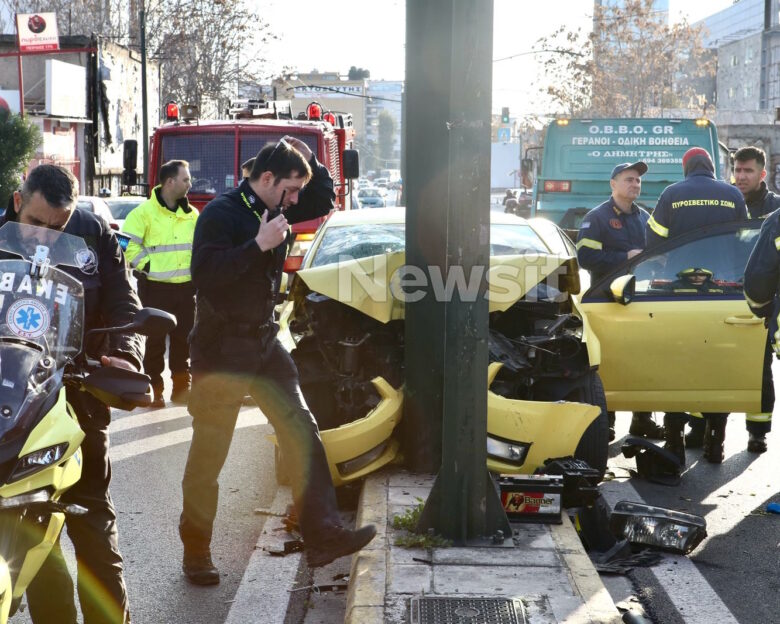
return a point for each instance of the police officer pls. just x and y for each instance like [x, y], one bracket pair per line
[160, 249]
[610, 234]
[241, 241]
[696, 201]
[48, 199]
[750, 178]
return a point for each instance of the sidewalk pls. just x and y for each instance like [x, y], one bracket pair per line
[547, 569]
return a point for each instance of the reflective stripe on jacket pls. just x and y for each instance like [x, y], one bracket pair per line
[160, 240]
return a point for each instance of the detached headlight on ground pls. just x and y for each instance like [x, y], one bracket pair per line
[507, 450]
[38, 460]
[666, 529]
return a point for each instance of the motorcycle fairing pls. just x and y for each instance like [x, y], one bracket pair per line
[35, 557]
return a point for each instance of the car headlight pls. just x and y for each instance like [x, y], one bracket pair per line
[361, 461]
[507, 450]
[38, 460]
[666, 529]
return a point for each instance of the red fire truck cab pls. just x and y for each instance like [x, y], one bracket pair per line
[215, 151]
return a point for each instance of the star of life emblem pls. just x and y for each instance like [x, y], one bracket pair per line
[28, 318]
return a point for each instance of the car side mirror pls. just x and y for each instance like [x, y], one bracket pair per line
[623, 289]
[527, 170]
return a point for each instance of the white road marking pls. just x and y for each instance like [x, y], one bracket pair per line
[248, 418]
[691, 594]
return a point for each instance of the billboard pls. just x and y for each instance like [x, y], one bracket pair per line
[37, 32]
[66, 89]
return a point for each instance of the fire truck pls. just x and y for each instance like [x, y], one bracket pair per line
[215, 151]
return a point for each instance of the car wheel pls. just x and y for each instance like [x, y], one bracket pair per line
[594, 444]
[282, 478]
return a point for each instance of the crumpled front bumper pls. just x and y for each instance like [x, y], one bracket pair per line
[549, 429]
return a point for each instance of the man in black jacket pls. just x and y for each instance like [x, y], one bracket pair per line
[48, 199]
[696, 201]
[750, 179]
[611, 234]
[241, 242]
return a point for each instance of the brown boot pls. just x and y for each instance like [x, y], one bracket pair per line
[158, 400]
[181, 388]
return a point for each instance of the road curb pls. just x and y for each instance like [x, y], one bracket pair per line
[259, 597]
[599, 606]
[368, 573]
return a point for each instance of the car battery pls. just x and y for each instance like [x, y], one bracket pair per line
[580, 481]
[532, 498]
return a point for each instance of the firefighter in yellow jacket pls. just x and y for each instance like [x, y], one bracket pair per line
[160, 249]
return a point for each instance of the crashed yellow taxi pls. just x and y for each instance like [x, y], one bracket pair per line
[344, 325]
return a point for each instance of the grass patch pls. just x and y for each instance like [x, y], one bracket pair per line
[408, 522]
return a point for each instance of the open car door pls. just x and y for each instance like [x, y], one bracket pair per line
[685, 340]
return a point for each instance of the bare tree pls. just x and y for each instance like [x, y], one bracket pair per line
[632, 64]
[205, 46]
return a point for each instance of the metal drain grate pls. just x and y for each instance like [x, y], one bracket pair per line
[460, 610]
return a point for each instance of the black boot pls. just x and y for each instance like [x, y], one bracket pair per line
[695, 437]
[338, 543]
[643, 426]
[198, 567]
[674, 438]
[714, 437]
[756, 443]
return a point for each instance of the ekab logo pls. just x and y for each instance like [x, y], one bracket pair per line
[28, 318]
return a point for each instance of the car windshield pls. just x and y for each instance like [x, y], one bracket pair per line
[120, 207]
[362, 240]
[369, 193]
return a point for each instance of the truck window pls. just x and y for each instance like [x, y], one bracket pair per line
[210, 156]
[251, 144]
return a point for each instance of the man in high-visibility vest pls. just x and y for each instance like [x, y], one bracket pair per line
[160, 249]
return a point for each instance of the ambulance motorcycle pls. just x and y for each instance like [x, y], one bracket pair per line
[41, 342]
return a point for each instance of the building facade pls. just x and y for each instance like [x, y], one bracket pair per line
[86, 100]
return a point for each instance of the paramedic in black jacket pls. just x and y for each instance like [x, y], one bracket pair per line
[48, 199]
[241, 241]
[750, 178]
[610, 234]
[695, 202]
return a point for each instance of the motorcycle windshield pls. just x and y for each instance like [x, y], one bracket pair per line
[41, 317]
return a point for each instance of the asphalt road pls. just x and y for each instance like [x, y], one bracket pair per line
[149, 449]
[732, 575]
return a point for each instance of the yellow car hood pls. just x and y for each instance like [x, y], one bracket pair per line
[372, 285]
